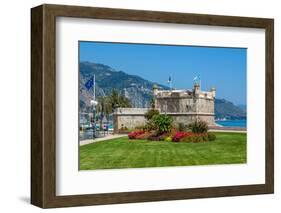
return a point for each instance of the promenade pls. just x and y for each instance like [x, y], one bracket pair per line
[107, 137]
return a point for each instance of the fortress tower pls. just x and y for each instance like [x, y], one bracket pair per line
[186, 106]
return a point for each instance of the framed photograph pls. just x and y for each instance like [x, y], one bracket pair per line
[137, 106]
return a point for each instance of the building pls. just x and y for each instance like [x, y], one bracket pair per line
[185, 106]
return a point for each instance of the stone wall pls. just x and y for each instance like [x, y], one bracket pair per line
[133, 117]
[205, 105]
[191, 117]
[185, 105]
[128, 118]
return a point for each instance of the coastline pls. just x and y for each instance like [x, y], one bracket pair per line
[242, 123]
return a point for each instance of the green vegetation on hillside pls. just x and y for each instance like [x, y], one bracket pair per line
[226, 109]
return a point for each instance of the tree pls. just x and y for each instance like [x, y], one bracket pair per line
[118, 100]
[152, 103]
[103, 108]
[106, 104]
[149, 114]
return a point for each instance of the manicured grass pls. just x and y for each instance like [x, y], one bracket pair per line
[228, 148]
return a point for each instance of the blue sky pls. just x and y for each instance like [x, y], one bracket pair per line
[222, 68]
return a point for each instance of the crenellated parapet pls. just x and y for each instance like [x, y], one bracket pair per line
[195, 93]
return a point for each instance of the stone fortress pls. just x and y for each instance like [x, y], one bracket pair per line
[185, 106]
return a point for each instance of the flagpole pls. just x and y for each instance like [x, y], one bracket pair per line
[171, 83]
[94, 87]
[94, 108]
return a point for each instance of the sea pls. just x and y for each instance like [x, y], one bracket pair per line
[233, 123]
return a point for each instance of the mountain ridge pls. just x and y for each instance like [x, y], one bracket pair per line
[134, 87]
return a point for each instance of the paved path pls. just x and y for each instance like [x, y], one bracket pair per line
[227, 129]
[108, 137]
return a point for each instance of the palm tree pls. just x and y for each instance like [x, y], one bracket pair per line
[118, 100]
[152, 103]
[107, 104]
[103, 108]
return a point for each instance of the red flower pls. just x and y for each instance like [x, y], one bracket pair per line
[133, 135]
[180, 135]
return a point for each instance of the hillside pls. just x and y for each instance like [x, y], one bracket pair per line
[226, 109]
[137, 89]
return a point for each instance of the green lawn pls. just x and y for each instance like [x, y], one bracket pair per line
[228, 148]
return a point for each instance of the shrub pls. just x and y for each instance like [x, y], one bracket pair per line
[124, 130]
[211, 136]
[144, 135]
[185, 139]
[149, 115]
[198, 127]
[150, 126]
[205, 136]
[168, 139]
[134, 134]
[123, 127]
[163, 136]
[162, 123]
[182, 127]
[196, 138]
[140, 127]
[157, 137]
[153, 137]
[173, 132]
[190, 137]
[179, 135]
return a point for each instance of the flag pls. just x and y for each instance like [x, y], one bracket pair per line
[90, 83]
[197, 77]
[170, 79]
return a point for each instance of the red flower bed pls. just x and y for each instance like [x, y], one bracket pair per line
[133, 135]
[192, 137]
[179, 135]
[157, 137]
[195, 138]
[144, 135]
